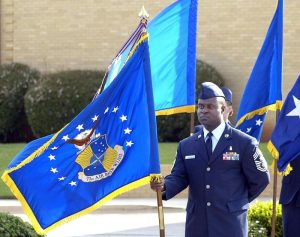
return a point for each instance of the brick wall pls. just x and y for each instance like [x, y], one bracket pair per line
[52, 35]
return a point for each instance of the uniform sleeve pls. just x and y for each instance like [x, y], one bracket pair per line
[177, 180]
[255, 169]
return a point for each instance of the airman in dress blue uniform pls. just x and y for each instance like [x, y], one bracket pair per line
[290, 200]
[223, 168]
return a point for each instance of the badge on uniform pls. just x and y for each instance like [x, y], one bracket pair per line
[231, 156]
[189, 157]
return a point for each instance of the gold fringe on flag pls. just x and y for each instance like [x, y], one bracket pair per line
[274, 152]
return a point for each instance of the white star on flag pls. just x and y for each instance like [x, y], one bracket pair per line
[106, 110]
[61, 178]
[54, 170]
[248, 130]
[66, 137]
[258, 122]
[51, 157]
[80, 127]
[95, 118]
[130, 143]
[123, 118]
[127, 131]
[115, 109]
[98, 135]
[73, 183]
[296, 111]
[54, 148]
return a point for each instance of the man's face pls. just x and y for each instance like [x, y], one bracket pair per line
[210, 112]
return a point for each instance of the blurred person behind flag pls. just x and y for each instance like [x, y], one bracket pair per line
[285, 147]
[172, 47]
[263, 89]
[108, 149]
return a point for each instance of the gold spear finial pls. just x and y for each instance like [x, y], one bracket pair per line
[143, 14]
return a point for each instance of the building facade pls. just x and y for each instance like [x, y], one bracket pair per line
[52, 35]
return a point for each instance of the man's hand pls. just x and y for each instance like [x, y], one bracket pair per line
[157, 183]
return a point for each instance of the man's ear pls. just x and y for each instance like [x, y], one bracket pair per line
[231, 111]
[223, 108]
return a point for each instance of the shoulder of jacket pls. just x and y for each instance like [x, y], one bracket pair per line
[189, 139]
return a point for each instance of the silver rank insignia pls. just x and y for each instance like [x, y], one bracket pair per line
[259, 160]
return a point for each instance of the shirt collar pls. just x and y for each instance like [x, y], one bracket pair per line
[217, 132]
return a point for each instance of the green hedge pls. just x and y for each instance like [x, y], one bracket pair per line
[173, 128]
[260, 217]
[59, 97]
[13, 226]
[15, 80]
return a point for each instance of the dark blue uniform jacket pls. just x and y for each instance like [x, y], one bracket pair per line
[221, 188]
[290, 200]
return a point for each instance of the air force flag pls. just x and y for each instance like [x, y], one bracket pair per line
[108, 149]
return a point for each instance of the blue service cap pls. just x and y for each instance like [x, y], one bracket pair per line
[228, 94]
[210, 90]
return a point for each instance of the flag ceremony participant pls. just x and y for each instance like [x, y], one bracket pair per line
[228, 108]
[223, 168]
[228, 102]
[290, 201]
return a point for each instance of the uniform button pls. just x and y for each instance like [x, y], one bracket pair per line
[207, 186]
[208, 169]
[208, 204]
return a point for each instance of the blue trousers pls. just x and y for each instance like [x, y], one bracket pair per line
[291, 217]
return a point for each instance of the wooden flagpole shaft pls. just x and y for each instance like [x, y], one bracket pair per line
[192, 122]
[160, 213]
[274, 199]
[273, 230]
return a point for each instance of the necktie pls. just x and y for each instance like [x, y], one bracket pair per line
[209, 144]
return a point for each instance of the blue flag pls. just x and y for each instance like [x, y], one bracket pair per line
[173, 57]
[172, 48]
[108, 149]
[120, 60]
[263, 90]
[285, 140]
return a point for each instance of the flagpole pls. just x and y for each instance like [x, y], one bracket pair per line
[160, 213]
[192, 126]
[144, 16]
[274, 198]
[273, 230]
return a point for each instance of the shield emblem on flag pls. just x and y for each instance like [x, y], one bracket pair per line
[98, 160]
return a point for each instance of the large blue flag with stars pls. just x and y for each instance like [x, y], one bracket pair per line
[263, 89]
[285, 140]
[108, 149]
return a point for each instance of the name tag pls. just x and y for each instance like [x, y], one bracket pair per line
[189, 157]
[231, 156]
